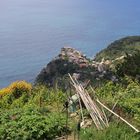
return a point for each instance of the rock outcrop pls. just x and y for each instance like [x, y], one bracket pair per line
[74, 62]
[68, 61]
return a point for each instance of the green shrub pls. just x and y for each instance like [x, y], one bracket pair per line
[113, 132]
[128, 98]
[29, 123]
[130, 66]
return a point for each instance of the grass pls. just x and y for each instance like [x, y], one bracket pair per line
[116, 131]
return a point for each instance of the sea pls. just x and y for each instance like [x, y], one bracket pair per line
[32, 32]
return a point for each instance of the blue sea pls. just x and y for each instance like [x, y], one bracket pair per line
[32, 32]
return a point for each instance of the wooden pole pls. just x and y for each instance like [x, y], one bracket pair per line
[105, 117]
[81, 109]
[113, 108]
[78, 89]
[107, 120]
[95, 112]
[93, 105]
[118, 116]
[94, 118]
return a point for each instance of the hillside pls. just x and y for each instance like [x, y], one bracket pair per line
[120, 47]
[39, 113]
[104, 67]
[69, 60]
[53, 108]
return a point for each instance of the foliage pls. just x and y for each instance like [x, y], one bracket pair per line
[127, 98]
[113, 132]
[130, 66]
[31, 124]
[42, 96]
[129, 45]
[34, 118]
[8, 101]
[16, 88]
[40, 116]
[15, 95]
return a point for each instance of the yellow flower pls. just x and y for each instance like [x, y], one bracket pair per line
[20, 86]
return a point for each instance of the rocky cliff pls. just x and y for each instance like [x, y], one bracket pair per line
[74, 62]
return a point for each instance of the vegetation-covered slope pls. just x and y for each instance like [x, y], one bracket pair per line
[33, 114]
[118, 48]
[130, 66]
[39, 113]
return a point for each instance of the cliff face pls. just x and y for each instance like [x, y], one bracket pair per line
[68, 61]
[56, 68]
[74, 62]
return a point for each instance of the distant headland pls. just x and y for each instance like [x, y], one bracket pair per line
[103, 66]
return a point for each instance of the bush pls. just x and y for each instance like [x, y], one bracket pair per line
[128, 98]
[130, 66]
[113, 132]
[32, 117]
[16, 89]
[18, 124]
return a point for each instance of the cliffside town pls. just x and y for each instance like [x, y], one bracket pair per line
[74, 62]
